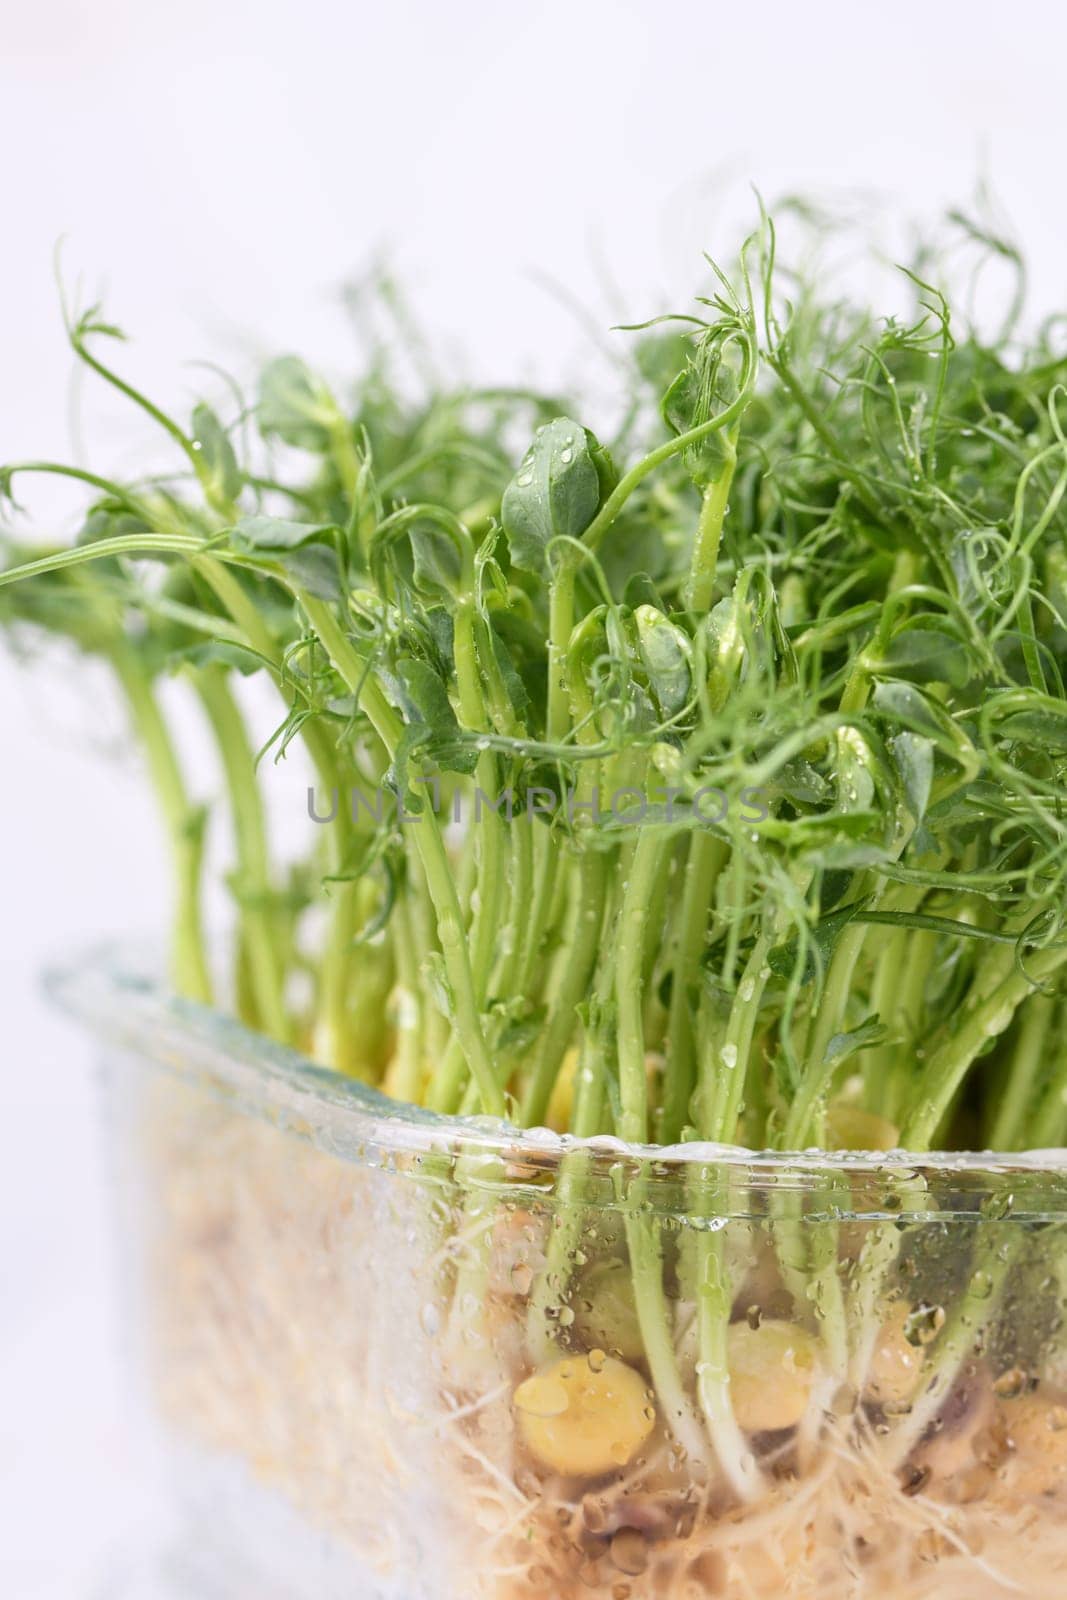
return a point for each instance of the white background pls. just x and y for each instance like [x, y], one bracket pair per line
[219, 169]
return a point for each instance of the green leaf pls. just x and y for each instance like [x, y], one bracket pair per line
[296, 406]
[424, 698]
[782, 959]
[431, 728]
[526, 650]
[216, 455]
[218, 653]
[1044, 730]
[516, 690]
[305, 552]
[905, 706]
[928, 651]
[554, 494]
[275, 533]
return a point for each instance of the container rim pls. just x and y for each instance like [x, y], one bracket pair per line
[116, 991]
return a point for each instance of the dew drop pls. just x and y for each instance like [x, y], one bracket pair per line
[521, 1277]
[1010, 1385]
[542, 1397]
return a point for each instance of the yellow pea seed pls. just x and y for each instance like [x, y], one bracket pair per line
[605, 1314]
[582, 1420]
[852, 1128]
[1037, 1438]
[558, 1115]
[896, 1363]
[629, 1551]
[772, 1369]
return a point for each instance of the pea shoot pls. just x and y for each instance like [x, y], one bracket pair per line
[696, 782]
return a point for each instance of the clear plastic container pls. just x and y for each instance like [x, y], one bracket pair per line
[391, 1354]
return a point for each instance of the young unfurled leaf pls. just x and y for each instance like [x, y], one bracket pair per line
[983, 579]
[518, 1023]
[842, 1045]
[707, 385]
[665, 653]
[296, 406]
[640, 590]
[913, 756]
[554, 494]
[435, 976]
[425, 548]
[801, 782]
[216, 453]
[437, 566]
[855, 771]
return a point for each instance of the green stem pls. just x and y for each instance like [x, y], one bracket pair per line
[134, 544]
[1027, 1061]
[644, 1241]
[725, 1088]
[252, 887]
[995, 1251]
[818, 1069]
[714, 1300]
[432, 855]
[575, 965]
[487, 823]
[664, 452]
[707, 856]
[947, 1067]
[334, 1039]
[184, 824]
[407, 1080]
[700, 584]
[1048, 1130]
[560, 628]
[647, 864]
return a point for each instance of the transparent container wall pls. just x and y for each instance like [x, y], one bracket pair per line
[391, 1355]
